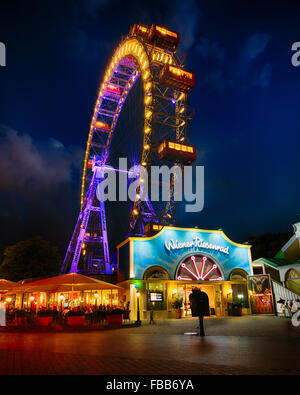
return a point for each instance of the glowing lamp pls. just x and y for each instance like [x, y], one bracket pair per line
[102, 126]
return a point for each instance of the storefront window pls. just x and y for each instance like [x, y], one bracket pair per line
[240, 294]
[156, 296]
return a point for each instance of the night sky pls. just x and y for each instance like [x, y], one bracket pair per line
[247, 99]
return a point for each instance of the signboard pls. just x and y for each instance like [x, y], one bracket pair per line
[156, 297]
[261, 296]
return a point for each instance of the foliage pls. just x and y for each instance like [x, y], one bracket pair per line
[267, 245]
[45, 313]
[21, 313]
[177, 304]
[32, 258]
[238, 302]
[114, 311]
[73, 313]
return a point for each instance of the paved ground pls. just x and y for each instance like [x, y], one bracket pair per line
[234, 345]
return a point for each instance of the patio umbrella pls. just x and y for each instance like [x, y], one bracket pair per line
[5, 285]
[64, 283]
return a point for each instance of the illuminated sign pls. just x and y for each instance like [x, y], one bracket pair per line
[156, 297]
[197, 242]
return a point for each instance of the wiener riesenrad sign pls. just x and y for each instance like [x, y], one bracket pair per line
[197, 242]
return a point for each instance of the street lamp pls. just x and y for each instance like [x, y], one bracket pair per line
[138, 320]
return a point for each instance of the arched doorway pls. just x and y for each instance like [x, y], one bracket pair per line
[198, 271]
[156, 290]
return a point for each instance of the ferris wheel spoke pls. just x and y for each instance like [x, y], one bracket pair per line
[203, 263]
[184, 266]
[209, 271]
[193, 259]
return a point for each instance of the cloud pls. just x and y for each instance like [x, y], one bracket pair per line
[263, 76]
[184, 16]
[29, 166]
[254, 46]
[242, 70]
[210, 49]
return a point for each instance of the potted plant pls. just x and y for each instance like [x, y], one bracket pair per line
[21, 318]
[114, 316]
[44, 317]
[75, 318]
[177, 305]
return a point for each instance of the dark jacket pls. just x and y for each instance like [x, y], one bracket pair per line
[199, 303]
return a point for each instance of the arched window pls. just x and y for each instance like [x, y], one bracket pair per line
[198, 268]
[292, 279]
[156, 272]
[238, 274]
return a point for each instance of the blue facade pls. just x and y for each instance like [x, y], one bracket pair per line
[171, 246]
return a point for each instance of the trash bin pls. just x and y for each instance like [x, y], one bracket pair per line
[229, 308]
[236, 310]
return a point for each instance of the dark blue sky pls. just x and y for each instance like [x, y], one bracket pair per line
[246, 97]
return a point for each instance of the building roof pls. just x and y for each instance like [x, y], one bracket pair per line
[276, 262]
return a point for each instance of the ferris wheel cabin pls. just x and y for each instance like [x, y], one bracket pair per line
[177, 78]
[176, 152]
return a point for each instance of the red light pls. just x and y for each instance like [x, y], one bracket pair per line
[101, 125]
[113, 89]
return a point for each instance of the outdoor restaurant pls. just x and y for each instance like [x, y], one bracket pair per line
[70, 299]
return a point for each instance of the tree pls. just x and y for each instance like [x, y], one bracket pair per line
[32, 258]
[268, 244]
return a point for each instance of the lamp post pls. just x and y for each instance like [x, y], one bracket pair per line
[138, 320]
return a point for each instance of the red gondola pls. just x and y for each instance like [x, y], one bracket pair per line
[177, 78]
[140, 30]
[177, 152]
[163, 38]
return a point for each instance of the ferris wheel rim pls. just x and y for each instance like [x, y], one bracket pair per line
[141, 53]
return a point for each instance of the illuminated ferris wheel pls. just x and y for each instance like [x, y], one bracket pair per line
[141, 114]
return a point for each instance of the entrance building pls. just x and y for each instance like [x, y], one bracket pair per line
[157, 270]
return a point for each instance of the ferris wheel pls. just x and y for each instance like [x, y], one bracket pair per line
[141, 114]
